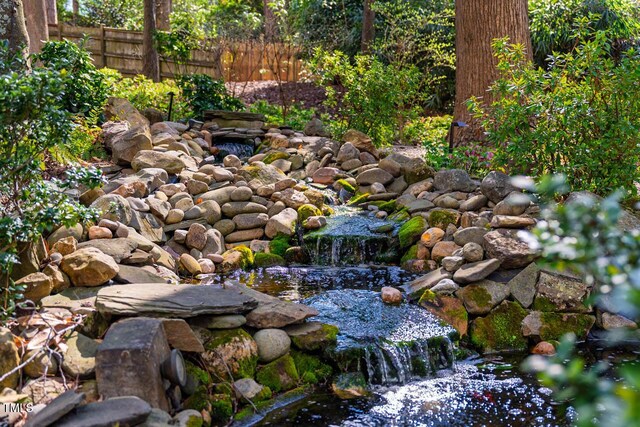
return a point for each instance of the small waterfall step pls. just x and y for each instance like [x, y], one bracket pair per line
[388, 344]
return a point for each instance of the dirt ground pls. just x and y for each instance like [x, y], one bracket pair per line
[307, 94]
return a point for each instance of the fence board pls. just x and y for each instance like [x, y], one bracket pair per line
[234, 61]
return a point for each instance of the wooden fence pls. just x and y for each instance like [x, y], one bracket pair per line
[234, 61]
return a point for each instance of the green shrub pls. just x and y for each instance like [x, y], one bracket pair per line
[554, 24]
[202, 92]
[580, 118]
[85, 89]
[33, 121]
[374, 98]
[145, 93]
[297, 115]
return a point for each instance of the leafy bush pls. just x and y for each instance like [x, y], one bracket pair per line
[297, 115]
[202, 92]
[229, 19]
[85, 91]
[33, 121]
[555, 26]
[586, 239]
[145, 93]
[372, 97]
[580, 118]
[111, 13]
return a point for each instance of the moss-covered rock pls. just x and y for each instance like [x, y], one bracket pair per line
[310, 368]
[313, 336]
[238, 258]
[546, 326]
[199, 400]
[412, 253]
[411, 231]
[197, 376]
[441, 218]
[447, 308]
[307, 210]
[275, 155]
[279, 375]
[344, 184]
[358, 199]
[221, 408]
[400, 216]
[500, 329]
[263, 259]
[327, 210]
[280, 244]
[231, 350]
[350, 385]
[315, 197]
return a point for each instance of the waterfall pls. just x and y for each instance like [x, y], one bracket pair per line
[236, 148]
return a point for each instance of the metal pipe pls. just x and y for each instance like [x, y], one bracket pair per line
[171, 94]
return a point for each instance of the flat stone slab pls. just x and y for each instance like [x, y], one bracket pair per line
[279, 314]
[123, 411]
[132, 274]
[56, 409]
[165, 300]
[73, 298]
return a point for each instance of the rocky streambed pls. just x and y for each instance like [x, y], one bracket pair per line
[195, 297]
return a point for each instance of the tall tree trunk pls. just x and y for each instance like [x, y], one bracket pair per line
[13, 28]
[270, 30]
[75, 7]
[52, 12]
[368, 26]
[478, 23]
[163, 13]
[150, 60]
[35, 13]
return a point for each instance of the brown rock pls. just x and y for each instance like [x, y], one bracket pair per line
[96, 232]
[432, 236]
[65, 246]
[37, 286]
[391, 295]
[544, 348]
[89, 267]
[180, 335]
[449, 309]
[442, 250]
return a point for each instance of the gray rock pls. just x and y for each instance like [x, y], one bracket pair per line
[131, 274]
[241, 194]
[122, 411]
[232, 209]
[170, 161]
[524, 285]
[180, 301]
[481, 297]
[445, 286]
[508, 248]
[470, 234]
[374, 175]
[229, 321]
[80, 357]
[347, 152]
[247, 388]
[472, 252]
[272, 344]
[513, 205]
[452, 263]
[244, 235]
[282, 223]
[277, 314]
[496, 186]
[476, 271]
[474, 203]
[416, 288]
[453, 180]
[188, 418]
[557, 292]
[252, 220]
[56, 409]
[113, 207]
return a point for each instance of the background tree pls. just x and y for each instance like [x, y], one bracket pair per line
[478, 23]
[150, 58]
[368, 26]
[163, 12]
[35, 13]
[12, 26]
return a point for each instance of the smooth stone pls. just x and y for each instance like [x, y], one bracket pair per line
[445, 286]
[80, 357]
[476, 271]
[391, 295]
[229, 321]
[56, 409]
[123, 411]
[416, 288]
[278, 314]
[272, 344]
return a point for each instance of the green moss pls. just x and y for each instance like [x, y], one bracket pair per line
[310, 368]
[350, 385]
[420, 368]
[248, 411]
[555, 325]
[280, 244]
[401, 216]
[315, 197]
[411, 231]
[427, 296]
[264, 394]
[307, 210]
[479, 295]
[357, 199]
[345, 185]
[246, 366]
[542, 303]
[223, 388]
[412, 253]
[501, 329]
[327, 210]
[194, 421]
[199, 374]
[325, 336]
[273, 156]
[221, 408]
[388, 206]
[279, 375]
[199, 400]
[442, 218]
[263, 259]
[247, 256]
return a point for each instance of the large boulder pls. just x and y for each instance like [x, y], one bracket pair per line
[505, 246]
[361, 141]
[128, 144]
[229, 351]
[496, 186]
[171, 161]
[113, 207]
[500, 330]
[453, 180]
[481, 297]
[375, 175]
[552, 326]
[560, 293]
[89, 267]
[282, 223]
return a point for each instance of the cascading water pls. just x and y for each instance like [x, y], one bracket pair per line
[388, 344]
[351, 237]
[241, 150]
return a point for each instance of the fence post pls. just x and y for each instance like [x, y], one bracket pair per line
[60, 30]
[103, 46]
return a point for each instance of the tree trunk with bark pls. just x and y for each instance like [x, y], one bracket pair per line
[150, 59]
[270, 27]
[13, 27]
[368, 26]
[35, 13]
[52, 12]
[478, 23]
[163, 13]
